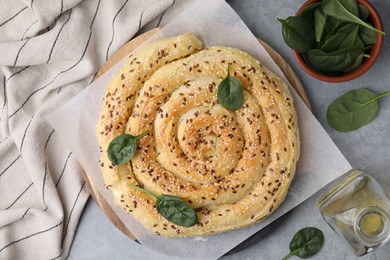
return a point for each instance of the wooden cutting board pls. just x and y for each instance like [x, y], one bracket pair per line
[126, 50]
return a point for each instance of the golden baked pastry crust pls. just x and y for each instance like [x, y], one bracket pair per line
[233, 167]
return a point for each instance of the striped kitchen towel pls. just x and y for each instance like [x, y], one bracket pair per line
[49, 52]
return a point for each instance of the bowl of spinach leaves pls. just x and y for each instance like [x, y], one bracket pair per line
[334, 40]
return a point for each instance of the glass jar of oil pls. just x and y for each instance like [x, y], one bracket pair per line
[358, 210]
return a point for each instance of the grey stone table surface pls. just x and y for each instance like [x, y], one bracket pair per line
[367, 149]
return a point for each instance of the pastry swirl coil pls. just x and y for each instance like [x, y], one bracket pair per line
[233, 167]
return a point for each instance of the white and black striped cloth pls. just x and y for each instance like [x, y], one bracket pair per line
[50, 51]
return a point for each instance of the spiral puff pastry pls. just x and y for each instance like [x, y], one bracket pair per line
[233, 167]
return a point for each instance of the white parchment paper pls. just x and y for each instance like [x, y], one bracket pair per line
[215, 23]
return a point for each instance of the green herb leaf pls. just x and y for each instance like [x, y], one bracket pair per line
[343, 38]
[176, 211]
[306, 242]
[363, 13]
[368, 36]
[173, 208]
[298, 33]
[351, 38]
[353, 110]
[122, 148]
[359, 59]
[308, 12]
[336, 9]
[332, 26]
[335, 61]
[351, 5]
[230, 92]
[319, 23]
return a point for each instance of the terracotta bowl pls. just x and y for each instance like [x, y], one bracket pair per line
[367, 62]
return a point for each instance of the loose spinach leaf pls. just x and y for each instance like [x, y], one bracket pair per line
[333, 61]
[230, 92]
[363, 12]
[336, 9]
[122, 148]
[298, 33]
[173, 208]
[176, 211]
[319, 23]
[353, 110]
[343, 38]
[306, 242]
[368, 36]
